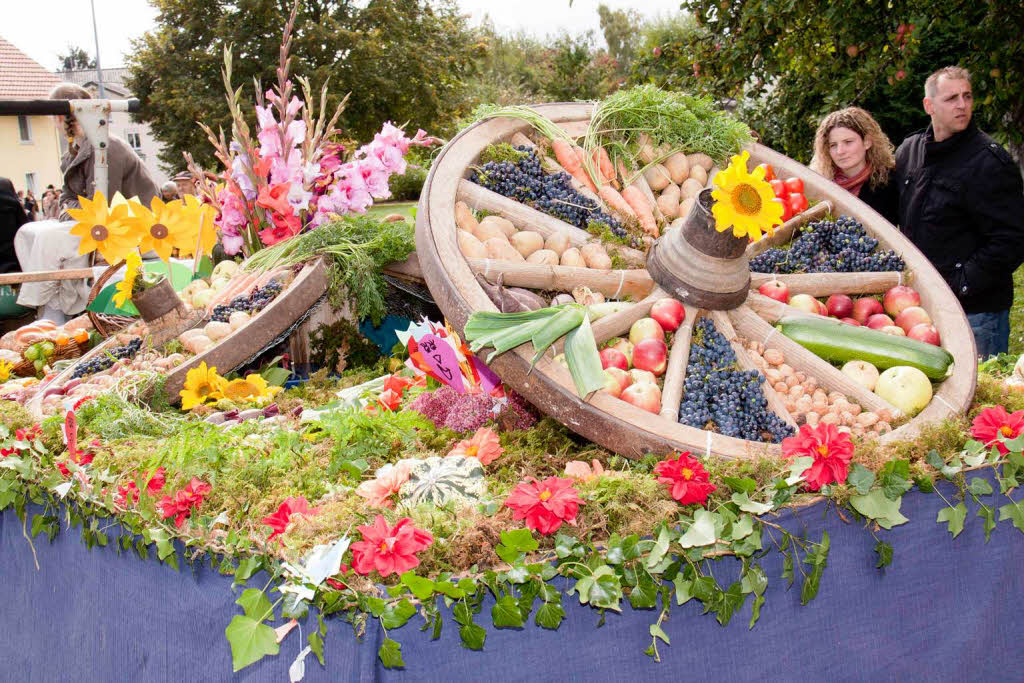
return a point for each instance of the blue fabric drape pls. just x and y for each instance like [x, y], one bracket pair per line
[947, 609]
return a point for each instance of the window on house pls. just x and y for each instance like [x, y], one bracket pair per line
[30, 182]
[24, 129]
[135, 141]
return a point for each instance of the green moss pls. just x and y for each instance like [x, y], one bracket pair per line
[14, 416]
[501, 151]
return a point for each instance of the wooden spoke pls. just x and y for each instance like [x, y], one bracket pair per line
[614, 284]
[826, 284]
[770, 309]
[754, 328]
[775, 402]
[675, 373]
[408, 269]
[523, 216]
[784, 233]
[618, 323]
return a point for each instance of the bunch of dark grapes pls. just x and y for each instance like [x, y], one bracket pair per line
[526, 182]
[252, 303]
[103, 361]
[839, 246]
[719, 396]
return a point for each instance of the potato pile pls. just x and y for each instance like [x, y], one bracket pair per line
[497, 238]
[810, 404]
[676, 180]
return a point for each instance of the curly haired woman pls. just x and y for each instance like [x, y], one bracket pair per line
[851, 150]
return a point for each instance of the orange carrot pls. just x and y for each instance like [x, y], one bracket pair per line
[569, 159]
[604, 164]
[615, 201]
[636, 199]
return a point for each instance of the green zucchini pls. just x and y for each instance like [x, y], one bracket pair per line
[838, 342]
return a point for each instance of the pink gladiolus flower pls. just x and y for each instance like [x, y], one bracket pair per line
[284, 227]
[378, 491]
[265, 117]
[275, 198]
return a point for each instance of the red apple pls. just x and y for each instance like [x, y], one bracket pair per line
[651, 355]
[866, 307]
[924, 332]
[668, 313]
[642, 377]
[879, 320]
[621, 376]
[850, 321]
[839, 306]
[644, 396]
[624, 346]
[774, 289]
[900, 297]
[913, 316]
[645, 328]
[822, 308]
[805, 302]
[614, 358]
[894, 330]
[612, 384]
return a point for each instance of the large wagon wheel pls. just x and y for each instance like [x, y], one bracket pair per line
[618, 425]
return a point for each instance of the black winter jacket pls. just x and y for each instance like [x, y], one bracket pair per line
[884, 199]
[962, 204]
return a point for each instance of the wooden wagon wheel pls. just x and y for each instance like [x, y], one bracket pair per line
[618, 425]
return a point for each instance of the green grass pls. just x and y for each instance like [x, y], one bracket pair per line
[1017, 314]
[381, 210]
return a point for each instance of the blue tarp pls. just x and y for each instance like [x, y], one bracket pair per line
[945, 610]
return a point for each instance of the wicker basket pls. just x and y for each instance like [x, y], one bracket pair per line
[106, 325]
[27, 368]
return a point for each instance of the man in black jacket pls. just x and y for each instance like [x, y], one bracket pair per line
[962, 204]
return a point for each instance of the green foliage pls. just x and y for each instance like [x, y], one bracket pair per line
[407, 187]
[621, 30]
[376, 51]
[339, 346]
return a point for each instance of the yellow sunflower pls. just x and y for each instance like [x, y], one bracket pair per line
[252, 388]
[202, 384]
[133, 264]
[5, 370]
[199, 216]
[160, 228]
[743, 201]
[103, 228]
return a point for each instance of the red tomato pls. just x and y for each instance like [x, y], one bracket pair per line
[794, 185]
[779, 188]
[787, 212]
[797, 203]
[769, 172]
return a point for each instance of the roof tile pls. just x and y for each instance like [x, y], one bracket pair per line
[21, 77]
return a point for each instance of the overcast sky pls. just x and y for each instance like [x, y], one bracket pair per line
[45, 33]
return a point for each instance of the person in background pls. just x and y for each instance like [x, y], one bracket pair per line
[49, 202]
[49, 244]
[31, 206]
[12, 217]
[962, 204]
[169, 191]
[851, 150]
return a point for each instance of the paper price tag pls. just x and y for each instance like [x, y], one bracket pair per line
[441, 359]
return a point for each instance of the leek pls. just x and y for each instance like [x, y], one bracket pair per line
[558, 326]
[583, 360]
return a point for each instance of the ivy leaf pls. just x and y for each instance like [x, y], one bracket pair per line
[729, 601]
[657, 632]
[747, 505]
[754, 580]
[473, 636]
[316, 644]
[861, 478]
[600, 589]
[509, 555]
[518, 574]
[390, 654]
[395, 616]
[683, 589]
[755, 610]
[797, 468]
[955, 516]
[246, 568]
[743, 527]
[744, 485]
[894, 478]
[701, 532]
[450, 589]
[419, 586]
[506, 614]
[660, 547]
[884, 551]
[565, 546]
[520, 539]
[549, 615]
[644, 595]
[989, 516]
[879, 507]
[1013, 511]
[250, 641]
[255, 604]
[980, 486]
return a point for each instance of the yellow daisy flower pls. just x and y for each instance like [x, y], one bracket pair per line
[252, 388]
[199, 216]
[161, 228]
[103, 228]
[133, 264]
[202, 384]
[743, 201]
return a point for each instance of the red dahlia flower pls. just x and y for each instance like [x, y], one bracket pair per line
[545, 504]
[686, 479]
[994, 425]
[389, 550]
[291, 506]
[830, 448]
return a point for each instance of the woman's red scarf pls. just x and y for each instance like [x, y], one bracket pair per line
[853, 185]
